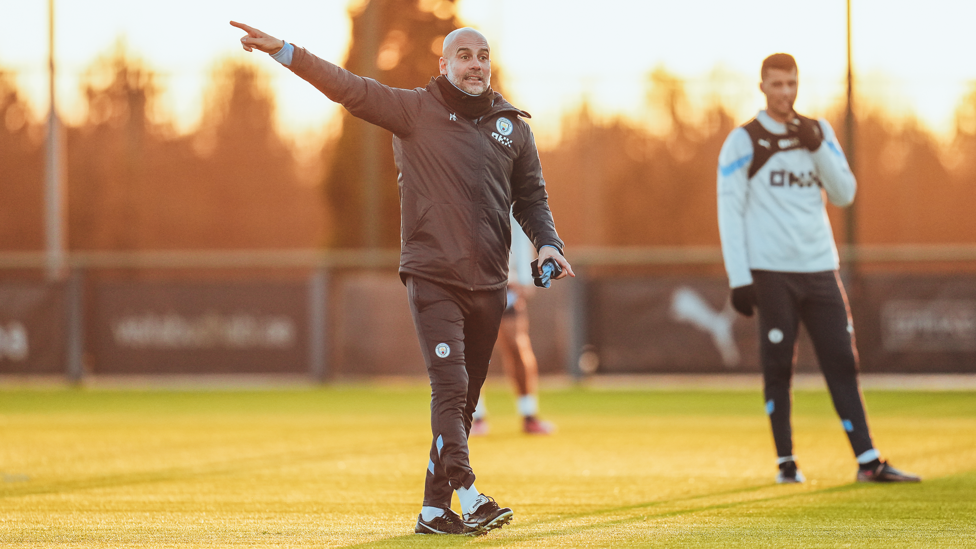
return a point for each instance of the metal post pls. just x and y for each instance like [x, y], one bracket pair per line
[318, 324]
[849, 148]
[76, 326]
[578, 315]
[54, 168]
[371, 133]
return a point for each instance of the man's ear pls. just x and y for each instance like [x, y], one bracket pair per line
[442, 64]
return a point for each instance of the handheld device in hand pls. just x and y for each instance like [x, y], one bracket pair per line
[543, 275]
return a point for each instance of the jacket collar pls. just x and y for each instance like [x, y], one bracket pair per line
[500, 104]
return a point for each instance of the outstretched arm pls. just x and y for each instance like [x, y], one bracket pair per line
[390, 108]
[257, 39]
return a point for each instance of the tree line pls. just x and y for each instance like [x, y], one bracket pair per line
[133, 183]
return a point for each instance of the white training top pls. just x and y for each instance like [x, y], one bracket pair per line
[520, 262]
[776, 220]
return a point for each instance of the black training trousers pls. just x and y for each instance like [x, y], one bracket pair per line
[819, 301]
[457, 330]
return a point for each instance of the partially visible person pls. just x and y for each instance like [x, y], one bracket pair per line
[516, 347]
[781, 260]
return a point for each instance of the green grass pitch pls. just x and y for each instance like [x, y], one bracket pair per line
[343, 466]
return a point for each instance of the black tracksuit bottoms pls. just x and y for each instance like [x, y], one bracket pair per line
[457, 329]
[819, 301]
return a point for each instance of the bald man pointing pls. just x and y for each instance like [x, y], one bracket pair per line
[466, 158]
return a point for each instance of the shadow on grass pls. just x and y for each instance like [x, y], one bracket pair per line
[224, 467]
[687, 506]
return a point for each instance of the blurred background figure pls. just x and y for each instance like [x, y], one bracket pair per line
[516, 347]
[774, 173]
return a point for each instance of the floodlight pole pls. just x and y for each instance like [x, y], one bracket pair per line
[54, 172]
[371, 134]
[849, 146]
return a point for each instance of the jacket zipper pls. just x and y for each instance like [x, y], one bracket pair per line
[479, 199]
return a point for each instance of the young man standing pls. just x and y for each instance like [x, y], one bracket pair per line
[466, 159]
[781, 260]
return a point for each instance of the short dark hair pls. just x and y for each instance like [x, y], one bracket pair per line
[781, 61]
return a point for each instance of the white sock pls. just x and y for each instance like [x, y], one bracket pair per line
[786, 459]
[869, 456]
[480, 411]
[528, 405]
[467, 496]
[430, 513]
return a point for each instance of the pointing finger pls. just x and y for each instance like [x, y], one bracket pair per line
[246, 28]
[566, 268]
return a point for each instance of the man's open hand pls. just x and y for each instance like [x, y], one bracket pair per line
[548, 251]
[256, 39]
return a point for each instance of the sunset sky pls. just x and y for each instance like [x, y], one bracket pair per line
[910, 57]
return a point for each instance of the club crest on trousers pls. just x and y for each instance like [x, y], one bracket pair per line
[442, 350]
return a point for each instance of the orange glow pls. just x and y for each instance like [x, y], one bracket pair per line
[553, 54]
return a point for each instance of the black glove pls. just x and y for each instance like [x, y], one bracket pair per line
[542, 275]
[744, 299]
[807, 130]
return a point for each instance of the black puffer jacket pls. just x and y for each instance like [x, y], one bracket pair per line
[458, 177]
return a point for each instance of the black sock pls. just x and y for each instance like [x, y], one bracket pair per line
[869, 466]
